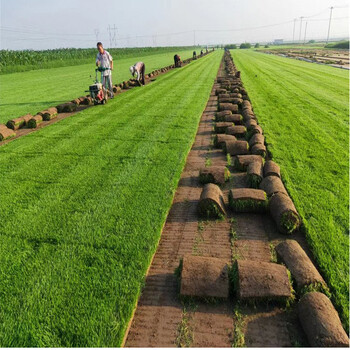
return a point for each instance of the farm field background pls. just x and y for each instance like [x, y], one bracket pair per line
[32, 91]
[83, 203]
[303, 109]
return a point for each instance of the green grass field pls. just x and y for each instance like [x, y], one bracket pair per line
[82, 206]
[304, 112]
[33, 91]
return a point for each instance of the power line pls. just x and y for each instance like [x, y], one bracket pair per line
[329, 26]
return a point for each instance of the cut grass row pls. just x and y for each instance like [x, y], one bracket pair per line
[82, 207]
[303, 109]
[33, 91]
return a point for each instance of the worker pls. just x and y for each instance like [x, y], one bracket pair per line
[105, 61]
[201, 52]
[194, 55]
[177, 61]
[139, 69]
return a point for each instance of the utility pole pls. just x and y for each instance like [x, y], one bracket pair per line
[194, 38]
[294, 28]
[97, 32]
[305, 33]
[154, 39]
[329, 25]
[301, 21]
[110, 35]
[114, 40]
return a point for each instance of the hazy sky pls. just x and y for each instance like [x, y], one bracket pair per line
[42, 24]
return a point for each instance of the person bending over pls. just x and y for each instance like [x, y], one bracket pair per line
[177, 61]
[105, 60]
[138, 69]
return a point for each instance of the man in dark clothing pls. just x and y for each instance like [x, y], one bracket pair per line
[177, 61]
[194, 55]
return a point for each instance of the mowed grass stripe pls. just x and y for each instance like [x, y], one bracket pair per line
[82, 221]
[304, 110]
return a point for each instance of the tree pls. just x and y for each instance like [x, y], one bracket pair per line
[257, 45]
[245, 46]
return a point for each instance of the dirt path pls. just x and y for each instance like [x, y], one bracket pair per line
[161, 319]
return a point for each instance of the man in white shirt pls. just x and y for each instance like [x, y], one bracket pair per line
[139, 69]
[105, 60]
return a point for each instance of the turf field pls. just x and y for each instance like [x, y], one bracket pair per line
[33, 91]
[303, 108]
[83, 203]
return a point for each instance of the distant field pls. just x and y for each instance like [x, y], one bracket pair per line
[30, 92]
[303, 108]
[83, 202]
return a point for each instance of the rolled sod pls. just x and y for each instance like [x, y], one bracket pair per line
[271, 169]
[35, 121]
[250, 124]
[76, 101]
[321, 322]
[236, 130]
[234, 118]
[272, 185]
[298, 263]
[259, 149]
[228, 107]
[221, 127]
[262, 280]
[18, 123]
[211, 203]
[230, 100]
[284, 213]
[248, 200]
[6, 133]
[116, 89]
[220, 139]
[214, 174]
[66, 107]
[220, 91]
[255, 174]
[49, 113]
[204, 277]
[87, 101]
[223, 95]
[256, 129]
[242, 161]
[220, 116]
[256, 138]
[236, 95]
[235, 148]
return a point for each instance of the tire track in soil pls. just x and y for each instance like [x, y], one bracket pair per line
[160, 313]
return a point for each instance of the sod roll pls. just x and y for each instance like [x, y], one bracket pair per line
[235, 148]
[284, 213]
[220, 116]
[236, 95]
[214, 174]
[228, 107]
[211, 203]
[35, 121]
[271, 169]
[49, 113]
[255, 139]
[259, 149]
[76, 101]
[220, 139]
[18, 123]
[248, 200]
[272, 185]
[255, 174]
[321, 322]
[256, 129]
[236, 130]
[242, 161]
[66, 107]
[6, 133]
[298, 263]
[250, 124]
[220, 91]
[234, 118]
[221, 127]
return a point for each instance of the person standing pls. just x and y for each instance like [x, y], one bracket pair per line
[105, 61]
[139, 69]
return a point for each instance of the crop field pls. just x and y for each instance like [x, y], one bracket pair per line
[303, 109]
[30, 92]
[83, 201]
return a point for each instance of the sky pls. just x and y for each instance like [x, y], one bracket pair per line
[48, 24]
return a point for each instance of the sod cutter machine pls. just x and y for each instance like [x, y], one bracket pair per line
[98, 92]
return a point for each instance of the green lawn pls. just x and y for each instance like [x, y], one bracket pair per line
[304, 111]
[82, 206]
[33, 91]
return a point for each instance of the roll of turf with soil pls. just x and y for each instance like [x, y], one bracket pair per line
[250, 124]
[234, 118]
[284, 213]
[220, 116]
[259, 149]
[220, 139]
[255, 139]
[235, 148]
[211, 203]
[220, 91]
[254, 174]
[236, 130]
[35, 121]
[49, 113]
[204, 277]
[242, 161]
[271, 169]
[256, 130]
[228, 107]
[321, 322]
[299, 264]
[214, 174]
[272, 185]
[236, 95]
[66, 107]
[6, 133]
[18, 123]
[258, 280]
[221, 127]
[248, 200]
